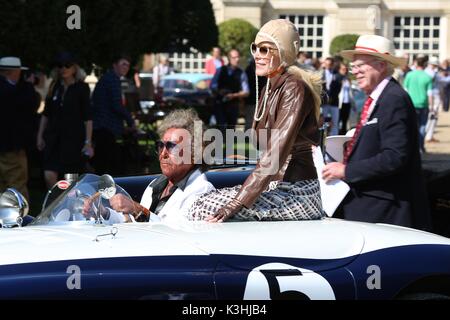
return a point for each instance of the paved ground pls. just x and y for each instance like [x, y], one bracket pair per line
[437, 157]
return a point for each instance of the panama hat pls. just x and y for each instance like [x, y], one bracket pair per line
[11, 63]
[433, 60]
[376, 46]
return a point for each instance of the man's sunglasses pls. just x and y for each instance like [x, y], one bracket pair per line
[263, 50]
[65, 65]
[169, 145]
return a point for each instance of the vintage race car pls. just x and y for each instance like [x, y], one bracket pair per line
[65, 254]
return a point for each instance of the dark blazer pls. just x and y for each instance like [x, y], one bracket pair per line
[384, 169]
[18, 104]
[331, 96]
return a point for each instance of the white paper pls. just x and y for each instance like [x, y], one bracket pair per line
[333, 192]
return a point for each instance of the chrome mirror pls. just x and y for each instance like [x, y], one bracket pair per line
[13, 208]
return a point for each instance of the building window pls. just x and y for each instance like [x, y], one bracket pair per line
[417, 35]
[310, 28]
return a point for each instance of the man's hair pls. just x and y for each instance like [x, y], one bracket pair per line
[185, 119]
[421, 62]
[180, 119]
[121, 56]
[233, 49]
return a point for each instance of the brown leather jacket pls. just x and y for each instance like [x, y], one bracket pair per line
[290, 109]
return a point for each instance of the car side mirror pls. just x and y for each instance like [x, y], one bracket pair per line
[13, 208]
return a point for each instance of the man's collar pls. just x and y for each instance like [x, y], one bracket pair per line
[182, 184]
[160, 183]
[379, 88]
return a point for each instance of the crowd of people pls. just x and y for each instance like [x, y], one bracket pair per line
[285, 92]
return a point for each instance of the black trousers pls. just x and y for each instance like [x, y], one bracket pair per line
[227, 114]
[107, 158]
[343, 117]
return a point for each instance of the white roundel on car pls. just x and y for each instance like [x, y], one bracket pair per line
[282, 281]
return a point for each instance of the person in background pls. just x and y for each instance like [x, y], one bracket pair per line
[229, 85]
[433, 71]
[332, 84]
[109, 115]
[18, 103]
[382, 162]
[160, 70]
[346, 101]
[305, 61]
[65, 131]
[420, 87]
[215, 62]
[445, 84]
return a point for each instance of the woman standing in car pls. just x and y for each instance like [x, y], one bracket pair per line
[289, 111]
[65, 131]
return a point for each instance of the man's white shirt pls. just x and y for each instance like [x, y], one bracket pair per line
[177, 207]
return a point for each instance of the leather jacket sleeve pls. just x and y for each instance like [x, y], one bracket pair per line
[290, 116]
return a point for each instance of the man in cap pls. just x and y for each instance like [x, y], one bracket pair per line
[382, 162]
[18, 100]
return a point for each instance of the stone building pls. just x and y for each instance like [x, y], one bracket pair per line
[416, 26]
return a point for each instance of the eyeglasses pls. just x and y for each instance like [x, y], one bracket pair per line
[66, 65]
[262, 50]
[169, 145]
[357, 67]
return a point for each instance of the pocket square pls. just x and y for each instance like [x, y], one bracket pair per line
[373, 121]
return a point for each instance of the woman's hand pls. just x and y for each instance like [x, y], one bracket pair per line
[225, 212]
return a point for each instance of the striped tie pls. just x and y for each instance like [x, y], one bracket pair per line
[362, 121]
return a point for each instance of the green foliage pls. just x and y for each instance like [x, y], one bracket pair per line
[238, 34]
[343, 42]
[35, 30]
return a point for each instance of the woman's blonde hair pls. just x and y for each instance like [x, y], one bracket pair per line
[314, 82]
[79, 76]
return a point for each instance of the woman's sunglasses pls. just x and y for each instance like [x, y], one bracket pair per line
[262, 50]
[65, 65]
[169, 145]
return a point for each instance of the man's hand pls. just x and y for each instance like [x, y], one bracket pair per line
[333, 171]
[121, 203]
[225, 212]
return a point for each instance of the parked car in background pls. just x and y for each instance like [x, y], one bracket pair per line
[189, 90]
[178, 90]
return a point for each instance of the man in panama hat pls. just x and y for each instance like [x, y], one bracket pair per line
[18, 99]
[382, 162]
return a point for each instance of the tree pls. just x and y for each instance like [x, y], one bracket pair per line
[193, 26]
[36, 30]
[343, 42]
[237, 34]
